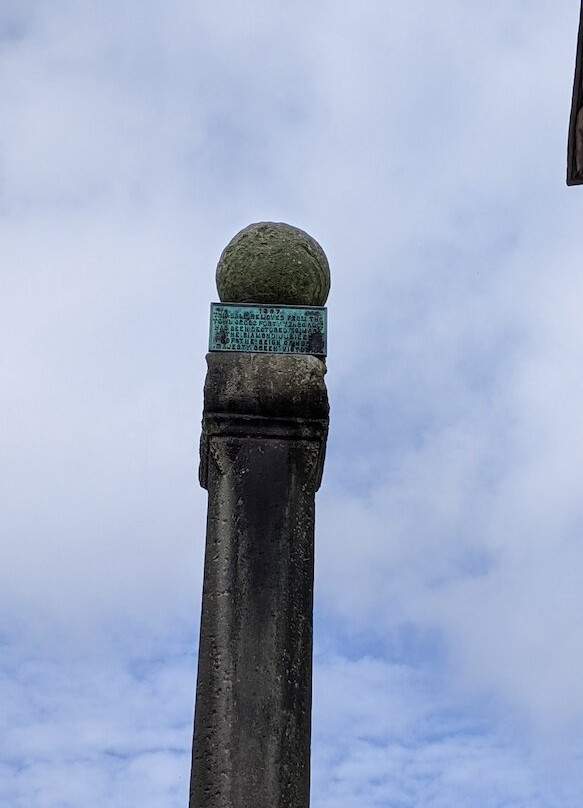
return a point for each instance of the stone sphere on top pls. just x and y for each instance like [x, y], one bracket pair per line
[273, 262]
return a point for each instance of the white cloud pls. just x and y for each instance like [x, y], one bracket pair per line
[425, 149]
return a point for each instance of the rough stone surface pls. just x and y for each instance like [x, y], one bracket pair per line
[264, 432]
[266, 384]
[271, 262]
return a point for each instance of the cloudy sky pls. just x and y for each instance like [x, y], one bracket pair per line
[423, 144]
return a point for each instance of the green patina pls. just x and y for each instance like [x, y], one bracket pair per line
[268, 329]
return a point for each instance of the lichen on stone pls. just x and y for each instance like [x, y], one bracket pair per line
[273, 262]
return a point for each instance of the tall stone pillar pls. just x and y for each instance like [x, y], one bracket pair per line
[263, 441]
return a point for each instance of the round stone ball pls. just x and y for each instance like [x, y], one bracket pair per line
[273, 262]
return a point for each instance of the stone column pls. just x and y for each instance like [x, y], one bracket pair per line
[263, 441]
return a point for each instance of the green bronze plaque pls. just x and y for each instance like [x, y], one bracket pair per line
[268, 329]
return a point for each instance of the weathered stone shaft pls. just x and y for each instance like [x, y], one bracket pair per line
[262, 450]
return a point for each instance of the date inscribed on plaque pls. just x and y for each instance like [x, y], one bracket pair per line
[268, 329]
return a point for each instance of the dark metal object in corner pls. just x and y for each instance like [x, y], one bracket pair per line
[575, 145]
